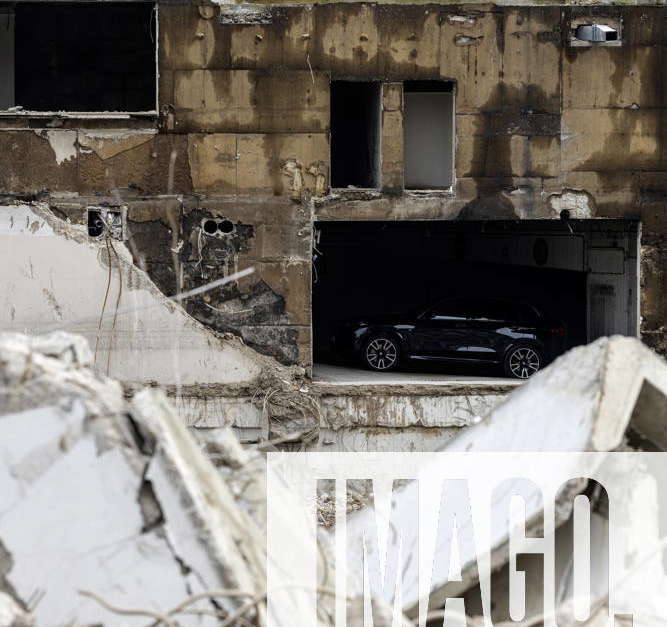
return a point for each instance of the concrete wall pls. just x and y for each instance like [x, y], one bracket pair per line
[541, 126]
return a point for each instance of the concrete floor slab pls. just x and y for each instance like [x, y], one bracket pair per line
[344, 375]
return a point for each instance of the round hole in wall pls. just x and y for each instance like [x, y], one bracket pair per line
[226, 226]
[209, 226]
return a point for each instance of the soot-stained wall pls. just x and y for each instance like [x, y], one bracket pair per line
[243, 132]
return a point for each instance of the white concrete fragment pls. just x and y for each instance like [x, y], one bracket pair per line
[584, 401]
[579, 204]
[60, 282]
[63, 144]
[180, 475]
[95, 504]
[77, 525]
[12, 615]
[62, 360]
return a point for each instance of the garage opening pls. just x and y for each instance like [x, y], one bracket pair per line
[81, 57]
[429, 134]
[355, 134]
[576, 280]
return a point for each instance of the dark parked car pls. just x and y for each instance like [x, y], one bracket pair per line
[516, 336]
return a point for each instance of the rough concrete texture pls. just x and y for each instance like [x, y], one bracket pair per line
[57, 277]
[270, 309]
[145, 521]
[405, 406]
[542, 127]
[122, 489]
[69, 272]
[585, 401]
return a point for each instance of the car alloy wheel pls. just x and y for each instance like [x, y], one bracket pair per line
[523, 362]
[381, 354]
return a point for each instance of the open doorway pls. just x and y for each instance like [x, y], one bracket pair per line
[355, 134]
[579, 276]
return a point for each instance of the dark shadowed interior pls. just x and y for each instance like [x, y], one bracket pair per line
[355, 133]
[368, 268]
[85, 57]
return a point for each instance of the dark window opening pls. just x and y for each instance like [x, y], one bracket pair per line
[78, 57]
[355, 134]
[429, 134]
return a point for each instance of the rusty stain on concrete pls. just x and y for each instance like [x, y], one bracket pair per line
[243, 131]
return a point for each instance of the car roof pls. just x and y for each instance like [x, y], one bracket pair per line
[487, 299]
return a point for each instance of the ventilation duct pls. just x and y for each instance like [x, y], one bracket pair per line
[596, 32]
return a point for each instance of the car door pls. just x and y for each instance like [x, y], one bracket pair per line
[441, 331]
[488, 329]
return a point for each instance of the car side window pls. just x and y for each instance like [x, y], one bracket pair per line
[449, 309]
[528, 315]
[487, 310]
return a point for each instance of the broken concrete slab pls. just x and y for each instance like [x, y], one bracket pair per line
[108, 505]
[129, 348]
[585, 401]
[12, 614]
[226, 545]
[111, 507]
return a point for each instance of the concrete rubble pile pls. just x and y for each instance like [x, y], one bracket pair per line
[610, 395]
[109, 505]
[112, 512]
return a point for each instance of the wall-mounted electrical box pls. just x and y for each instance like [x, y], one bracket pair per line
[107, 222]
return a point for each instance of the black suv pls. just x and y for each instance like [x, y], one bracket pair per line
[514, 335]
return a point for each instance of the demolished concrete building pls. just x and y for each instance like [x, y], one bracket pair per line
[492, 148]
[608, 396]
[112, 512]
[112, 508]
[107, 504]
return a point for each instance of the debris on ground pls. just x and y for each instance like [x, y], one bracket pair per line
[111, 511]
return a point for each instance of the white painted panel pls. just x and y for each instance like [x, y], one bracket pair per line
[428, 127]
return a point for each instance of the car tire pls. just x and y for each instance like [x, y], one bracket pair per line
[381, 353]
[522, 361]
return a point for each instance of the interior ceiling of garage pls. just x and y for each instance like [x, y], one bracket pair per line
[368, 268]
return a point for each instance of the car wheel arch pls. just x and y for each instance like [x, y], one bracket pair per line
[392, 333]
[371, 338]
[533, 345]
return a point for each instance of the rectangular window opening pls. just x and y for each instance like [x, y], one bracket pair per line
[429, 134]
[355, 134]
[83, 57]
